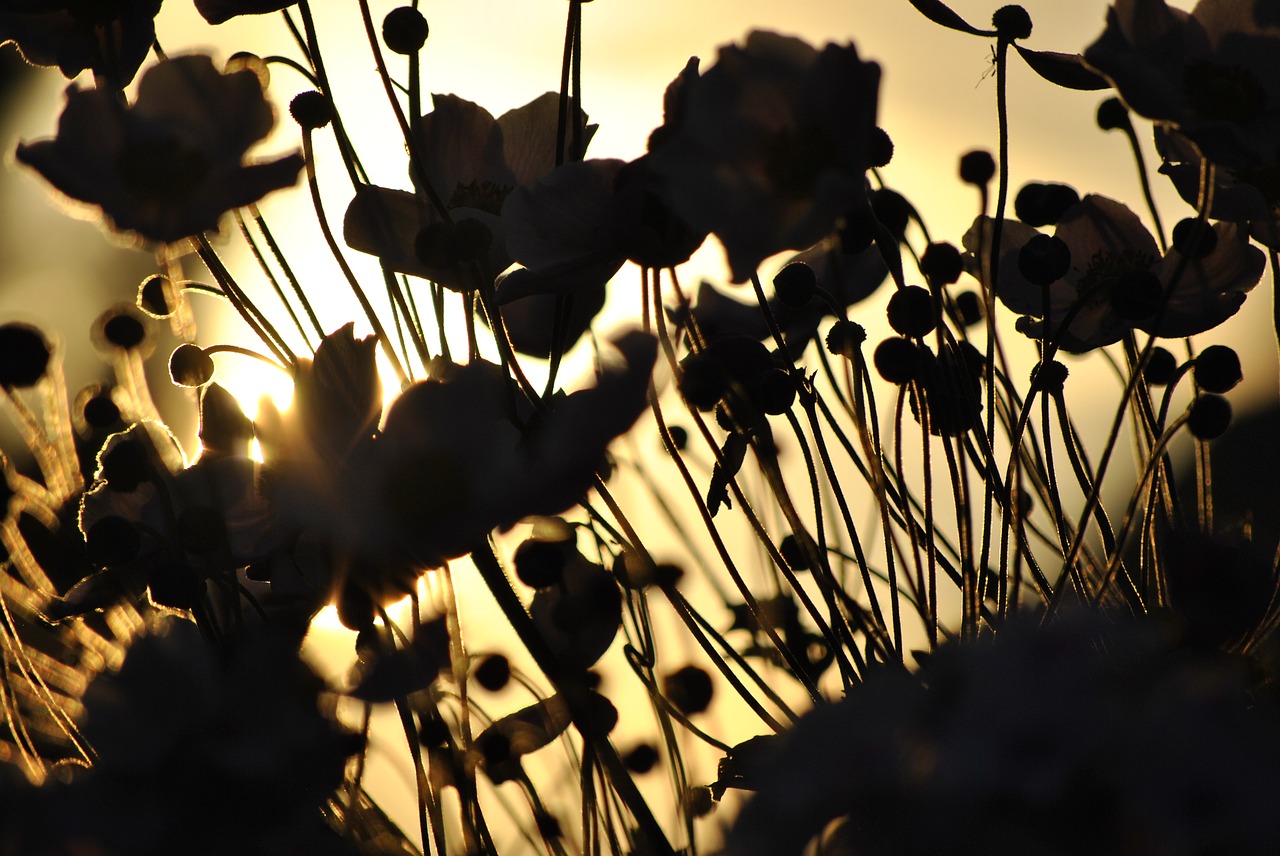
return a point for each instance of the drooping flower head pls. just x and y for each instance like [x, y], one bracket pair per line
[171, 164]
[768, 147]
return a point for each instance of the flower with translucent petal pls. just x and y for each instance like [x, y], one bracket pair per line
[1108, 243]
[1213, 73]
[768, 147]
[471, 163]
[453, 465]
[451, 462]
[170, 165]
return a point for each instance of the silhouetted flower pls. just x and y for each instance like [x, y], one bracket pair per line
[110, 37]
[172, 164]
[203, 751]
[449, 464]
[1104, 249]
[169, 529]
[767, 148]
[571, 230]
[453, 465]
[1211, 73]
[1078, 737]
[472, 162]
[1250, 197]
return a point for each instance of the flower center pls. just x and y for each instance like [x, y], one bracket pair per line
[1224, 92]
[483, 195]
[1105, 272]
[162, 170]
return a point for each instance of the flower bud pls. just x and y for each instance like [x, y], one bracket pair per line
[1113, 115]
[1044, 259]
[404, 30]
[1210, 417]
[795, 284]
[311, 110]
[977, 168]
[190, 366]
[24, 355]
[1038, 204]
[911, 311]
[897, 360]
[1194, 238]
[1217, 369]
[1160, 367]
[1012, 22]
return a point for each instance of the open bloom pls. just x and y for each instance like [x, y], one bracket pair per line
[1213, 73]
[450, 463]
[454, 465]
[172, 164]
[472, 162]
[571, 230]
[1108, 247]
[767, 149]
[110, 38]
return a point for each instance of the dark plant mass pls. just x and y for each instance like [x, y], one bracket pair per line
[870, 535]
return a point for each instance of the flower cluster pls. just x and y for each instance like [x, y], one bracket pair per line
[851, 512]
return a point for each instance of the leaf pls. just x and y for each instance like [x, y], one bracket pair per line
[398, 673]
[743, 766]
[500, 747]
[96, 592]
[580, 616]
[1063, 69]
[733, 453]
[941, 13]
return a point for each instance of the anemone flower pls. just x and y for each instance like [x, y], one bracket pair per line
[109, 38]
[768, 148]
[1251, 197]
[452, 461]
[1213, 73]
[169, 166]
[1109, 252]
[472, 162]
[188, 735]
